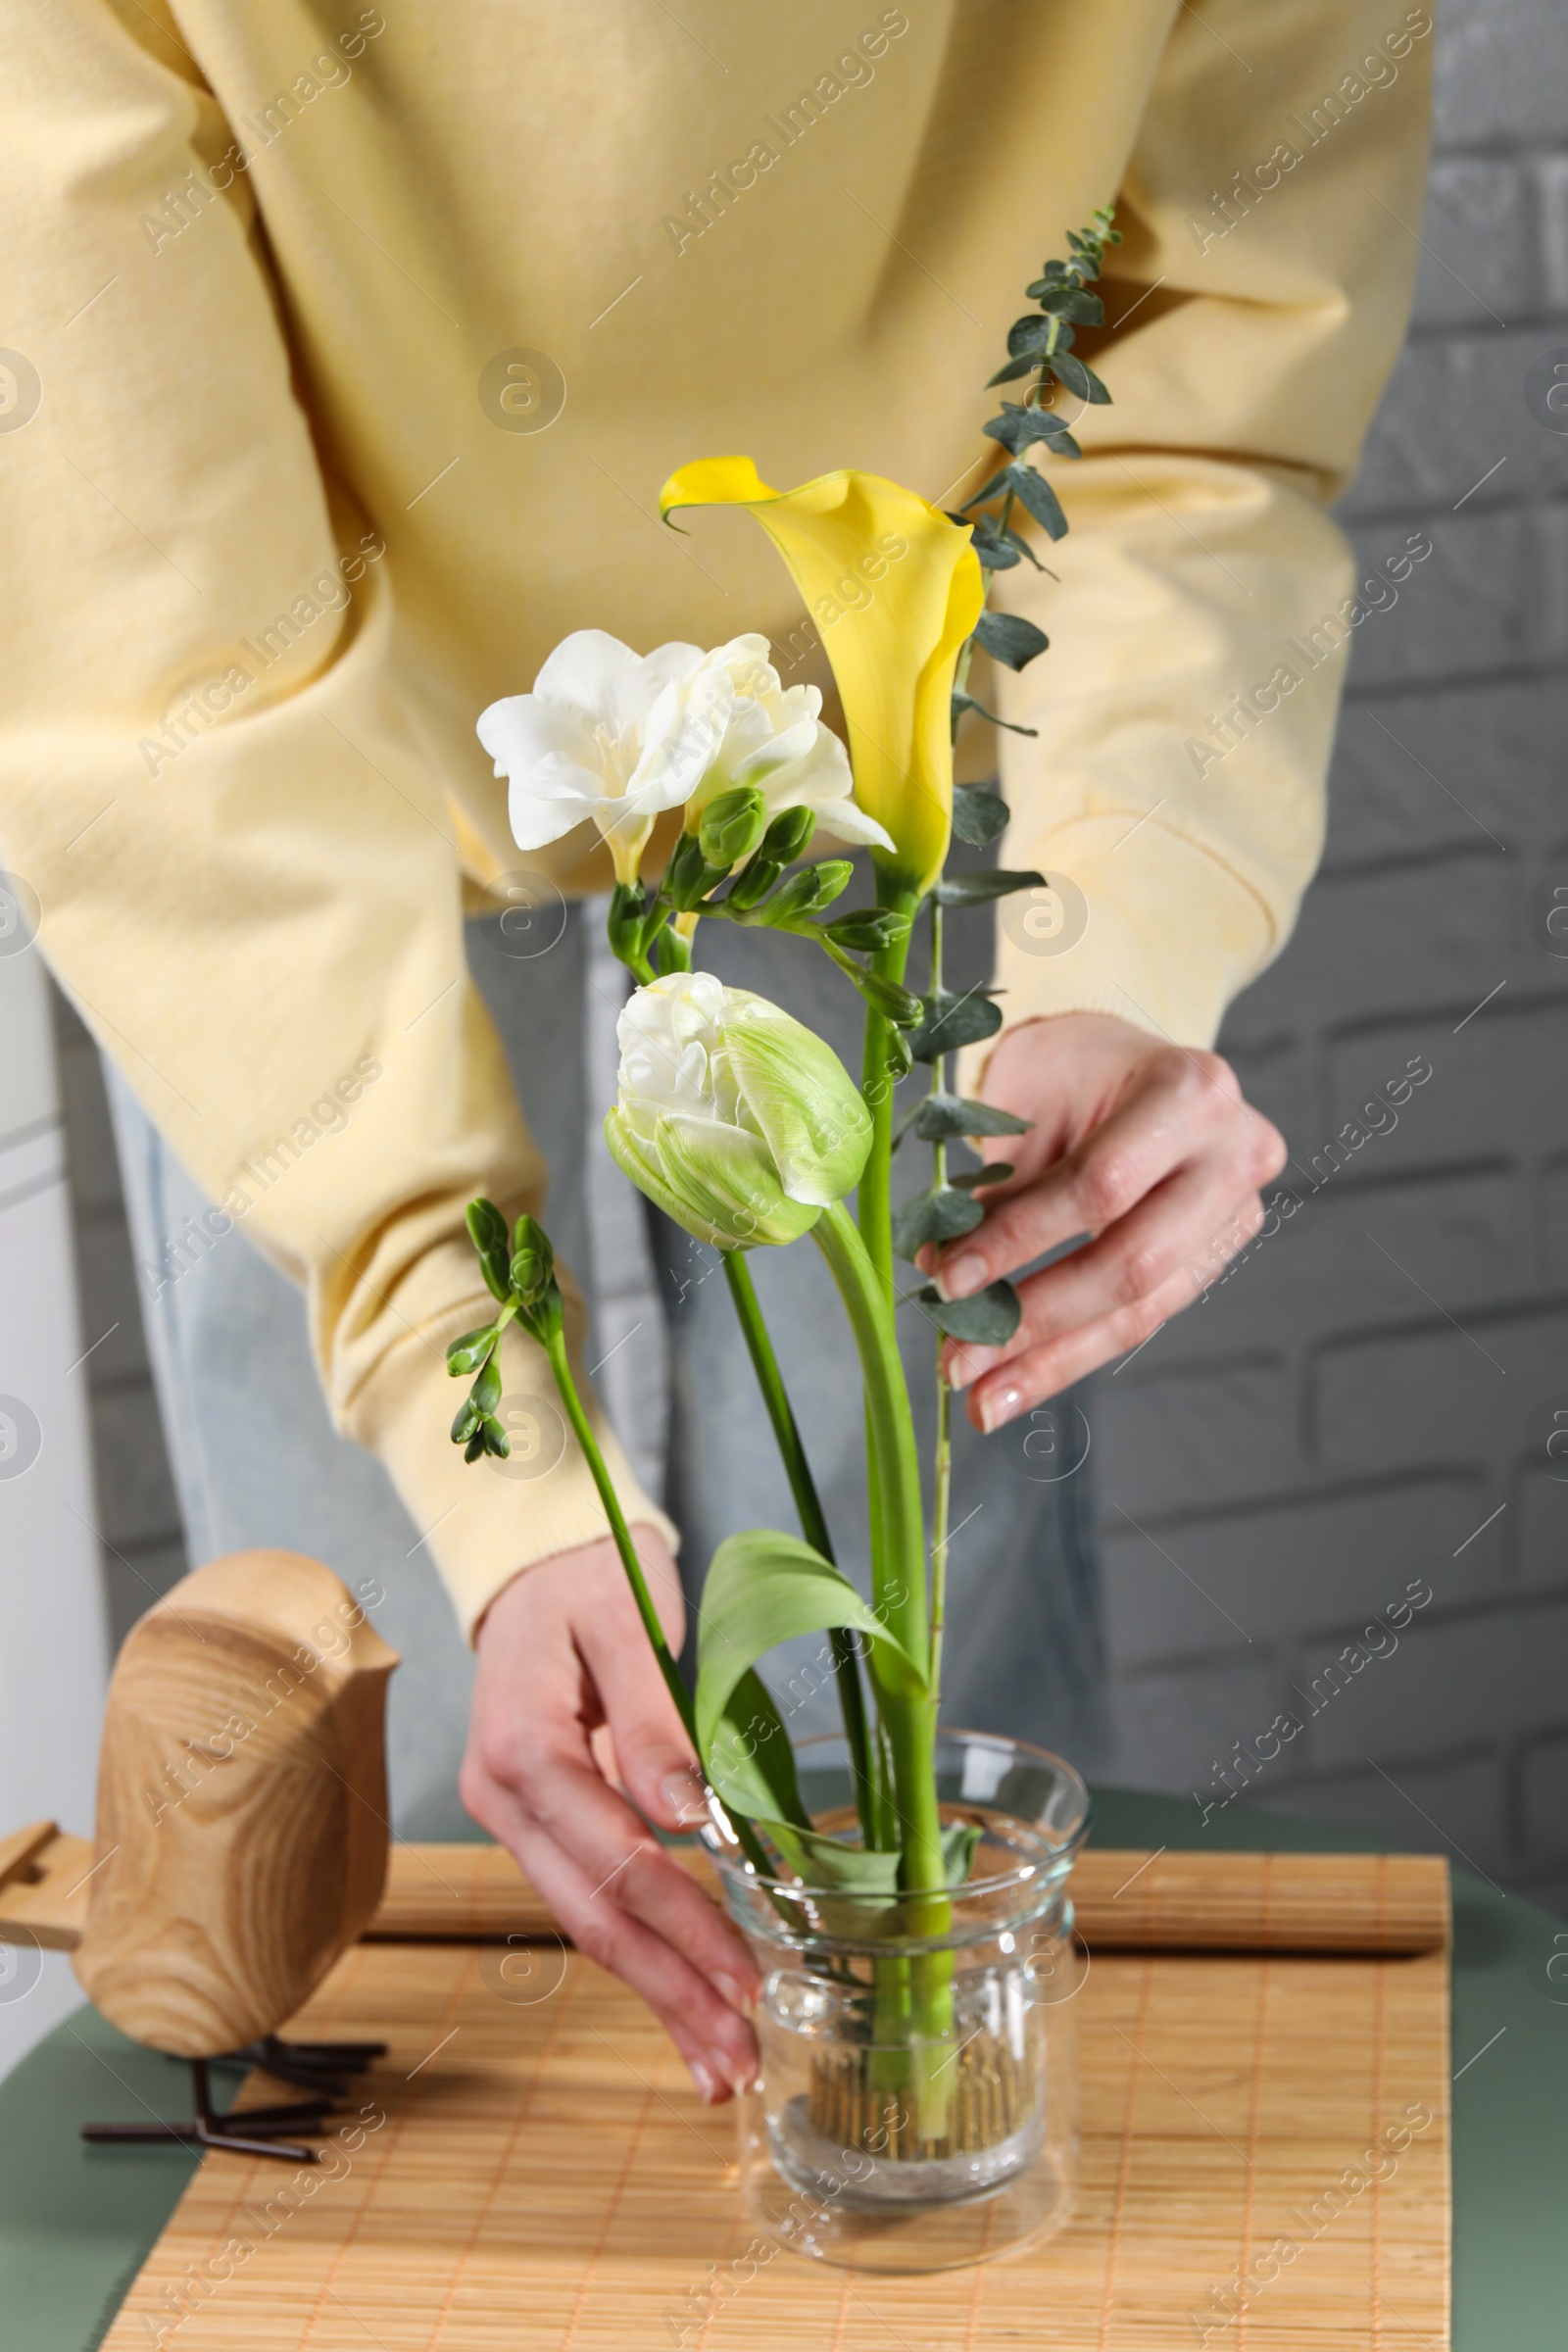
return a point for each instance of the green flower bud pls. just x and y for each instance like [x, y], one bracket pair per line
[788, 836]
[731, 825]
[733, 1118]
[533, 1261]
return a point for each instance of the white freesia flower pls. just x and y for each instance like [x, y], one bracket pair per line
[610, 735]
[733, 1118]
[775, 740]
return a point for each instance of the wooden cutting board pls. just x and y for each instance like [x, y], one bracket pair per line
[1265, 2165]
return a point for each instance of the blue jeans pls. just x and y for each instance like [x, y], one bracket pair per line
[257, 1462]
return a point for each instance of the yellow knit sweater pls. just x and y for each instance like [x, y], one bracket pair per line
[346, 352]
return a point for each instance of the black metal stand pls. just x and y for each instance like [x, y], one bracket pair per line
[317, 2067]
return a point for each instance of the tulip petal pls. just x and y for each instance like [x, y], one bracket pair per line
[812, 1119]
[894, 654]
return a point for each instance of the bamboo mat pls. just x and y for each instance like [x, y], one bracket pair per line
[1139, 1899]
[1265, 2166]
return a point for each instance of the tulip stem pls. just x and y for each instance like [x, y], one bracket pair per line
[554, 1344]
[814, 1525]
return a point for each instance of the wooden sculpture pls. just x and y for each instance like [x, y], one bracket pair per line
[241, 1840]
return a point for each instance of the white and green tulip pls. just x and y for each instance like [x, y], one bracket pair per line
[734, 1119]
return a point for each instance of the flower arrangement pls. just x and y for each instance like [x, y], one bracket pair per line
[747, 1130]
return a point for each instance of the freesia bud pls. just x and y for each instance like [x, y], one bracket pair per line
[733, 1118]
[731, 826]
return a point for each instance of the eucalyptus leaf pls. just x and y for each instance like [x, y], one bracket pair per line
[978, 816]
[987, 1320]
[1029, 337]
[1035, 493]
[937, 1216]
[995, 553]
[998, 488]
[966, 702]
[1017, 428]
[1076, 377]
[1007, 637]
[995, 1171]
[1013, 371]
[1071, 302]
[951, 1021]
[994, 882]
[941, 1117]
[765, 1588]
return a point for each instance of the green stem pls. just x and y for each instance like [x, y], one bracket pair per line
[813, 1523]
[877, 1082]
[942, 1495]
[899, 1593]
[554, 1344]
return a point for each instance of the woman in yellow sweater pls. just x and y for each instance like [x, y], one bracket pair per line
[346, 350]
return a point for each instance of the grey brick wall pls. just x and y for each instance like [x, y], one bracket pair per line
[1358, 1415]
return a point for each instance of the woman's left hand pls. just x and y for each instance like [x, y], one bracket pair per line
[1146, 1147]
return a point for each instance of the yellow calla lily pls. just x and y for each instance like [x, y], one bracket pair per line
[895, 589]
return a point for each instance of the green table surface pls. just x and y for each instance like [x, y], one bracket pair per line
[76, 2222]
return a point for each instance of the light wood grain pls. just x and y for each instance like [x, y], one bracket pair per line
[43, 1888]
[241, 1834]
[546, 2180]
[1127, 1900]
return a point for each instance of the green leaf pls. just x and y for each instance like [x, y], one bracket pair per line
[995, 550]
[937, 1216]
[994, 882]
[958, 1842]
[1036, 493]
[995, 1171]
[966, 702]
[998, 488]
[1011, 371]
[1080, 380]
[951, 1021]
[1017, 428]
[940, 1116]
[1007, 637]
[868, 929]
[978, 816]
[753, 1764]
[823, 1861]
[471, 1351]
[1071, 302]
[987, 1320]
[765, 1588]
[1028, 337]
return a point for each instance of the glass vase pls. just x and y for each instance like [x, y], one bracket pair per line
[917, 2108]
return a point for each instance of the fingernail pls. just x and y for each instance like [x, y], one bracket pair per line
[962, 1277]
[735, 1992]
[706, 2084]
[682, 1792]
[998, 1405]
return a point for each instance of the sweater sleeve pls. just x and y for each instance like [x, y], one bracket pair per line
[1205, 603]
[247, 876]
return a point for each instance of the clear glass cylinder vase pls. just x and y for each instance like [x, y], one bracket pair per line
[917, 2108]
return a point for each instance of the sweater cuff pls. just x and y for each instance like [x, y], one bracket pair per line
[1166, 934]
[485, 1522]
